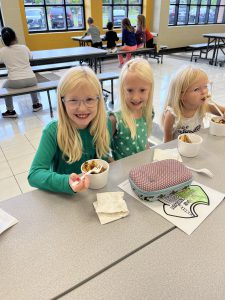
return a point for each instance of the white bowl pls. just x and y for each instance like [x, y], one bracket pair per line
[216, 128]
[98, 181]
[189, 149]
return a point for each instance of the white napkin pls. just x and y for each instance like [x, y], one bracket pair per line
[110, 206]
[6, 221]
[160, 154]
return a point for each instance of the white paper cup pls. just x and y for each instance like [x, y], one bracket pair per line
[190, 149]
[216, 128]
[98, 181]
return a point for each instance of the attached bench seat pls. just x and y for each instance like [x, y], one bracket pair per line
[52, 85]
[203, 48]
[40, 87]
[151, 52]
[45, 68]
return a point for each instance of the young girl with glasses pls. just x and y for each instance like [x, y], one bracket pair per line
[80, 134]
[186, 103]
[133, 122]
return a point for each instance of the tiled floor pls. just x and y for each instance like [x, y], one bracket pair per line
[19, 138]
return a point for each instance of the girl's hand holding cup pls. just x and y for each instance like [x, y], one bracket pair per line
[81, 186]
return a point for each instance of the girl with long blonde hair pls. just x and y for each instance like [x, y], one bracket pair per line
[140, 31]
[186, 103]
[80, 134]
[132, 124]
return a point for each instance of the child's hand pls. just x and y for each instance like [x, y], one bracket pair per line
[81, 186]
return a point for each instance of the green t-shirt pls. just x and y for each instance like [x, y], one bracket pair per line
[123, 145]
[49, 170]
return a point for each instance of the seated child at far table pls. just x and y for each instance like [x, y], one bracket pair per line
[80, 134]
[128, 40]
[132, 124]
[111, 37]
[186, 103]
[93, 30]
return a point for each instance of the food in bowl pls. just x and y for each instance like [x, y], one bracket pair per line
[97, 180]
[185, 138]
[217, 126]
[218, 121]
[90, 165]
[189, 149]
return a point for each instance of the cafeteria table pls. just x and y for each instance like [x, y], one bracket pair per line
[59, 242]
[217, 40]
[59, 249]
[85, 41]
[53, 56]
[176, 266]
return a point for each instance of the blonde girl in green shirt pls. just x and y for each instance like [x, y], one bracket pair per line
[80, 134]
[132, 124]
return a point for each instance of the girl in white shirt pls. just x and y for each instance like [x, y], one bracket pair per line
[186, 103]
[20, 74]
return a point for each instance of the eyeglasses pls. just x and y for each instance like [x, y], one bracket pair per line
[88, 102]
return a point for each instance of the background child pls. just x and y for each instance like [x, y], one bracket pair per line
[132, 124]
[140, 31]
[79, 134]
[20, 74]
[111, 37]
[128, 40]
[95, 34]
[186, 103]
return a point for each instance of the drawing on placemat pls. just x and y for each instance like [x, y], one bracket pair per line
[186, 209]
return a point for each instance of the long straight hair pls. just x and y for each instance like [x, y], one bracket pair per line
[179, 84]
[142, 69]
[68, 137]
[126, 24]
[141, 23]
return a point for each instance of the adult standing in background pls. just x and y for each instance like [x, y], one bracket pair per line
[16, 58]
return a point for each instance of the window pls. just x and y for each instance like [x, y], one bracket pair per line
[117, 10]
[54, 15]
[1, 21]
[193, 12]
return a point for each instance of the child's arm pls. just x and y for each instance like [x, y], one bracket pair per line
[113, 121]
[41, 174]
[168, 126]
[214, 111]
[86, 33]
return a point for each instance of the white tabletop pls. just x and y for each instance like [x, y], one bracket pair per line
[175, 266]
[76, 51]
[215, 35]
[59, 242]
[87, 38]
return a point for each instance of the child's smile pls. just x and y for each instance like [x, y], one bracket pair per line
[81, 110]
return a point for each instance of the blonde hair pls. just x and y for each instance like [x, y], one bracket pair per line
[68, 137]
[179, 84]
[142, 69]
[141, 22]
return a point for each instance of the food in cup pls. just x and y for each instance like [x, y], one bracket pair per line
[90, 165]
[185, 138]
[218, 121]
[97, 180]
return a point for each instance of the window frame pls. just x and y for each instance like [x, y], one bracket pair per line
[127, 5]
[44, 6]
[1, 20]
[208, 5]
